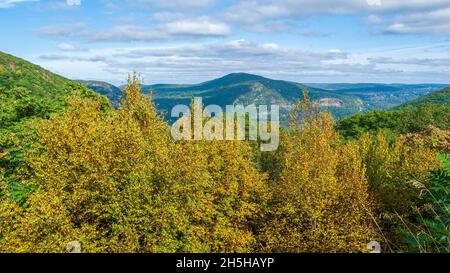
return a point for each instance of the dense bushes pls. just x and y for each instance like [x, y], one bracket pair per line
[431, 232]
[115, 180]
[321, 201]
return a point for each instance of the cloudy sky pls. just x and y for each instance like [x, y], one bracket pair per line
[189, 41]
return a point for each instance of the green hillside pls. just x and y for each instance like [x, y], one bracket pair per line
[28, 94]
[412, 117]
[28, 91]
[15, 72]
[246, 89]
[378, 96]
[112, 92]
[437, 98]
[342, 100]
[115, 180]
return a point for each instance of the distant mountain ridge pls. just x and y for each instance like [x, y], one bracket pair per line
[341, 99]
[383, 96]
[237, 88]
[247, 89]
[441, 98]
[379, 87]
[414, 116]
[112, 92]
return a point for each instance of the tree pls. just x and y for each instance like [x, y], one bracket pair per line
[115, 181]
[392, 170]
[321, 201]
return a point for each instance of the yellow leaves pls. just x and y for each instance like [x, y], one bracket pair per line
[3, 153]
[2, 68]
[390, 169]
[225, 194]
[45, 218]
[321, 193]
[91, 161]
[115, 181]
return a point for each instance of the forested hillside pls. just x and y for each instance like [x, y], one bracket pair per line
[246, 89]
[28, 94]
[28, 90]
[112, 92]
[75, 169]
[342, 100]
[441, 98]
[382, 96]
[412, 117]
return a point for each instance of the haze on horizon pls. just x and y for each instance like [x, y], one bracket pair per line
[309, 41]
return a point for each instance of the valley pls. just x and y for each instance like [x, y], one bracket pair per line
[340, 99]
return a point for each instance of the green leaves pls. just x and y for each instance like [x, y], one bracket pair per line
[445, 161]
[434, 231]
[396, 122]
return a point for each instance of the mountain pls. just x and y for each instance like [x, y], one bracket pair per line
[18, 73]
[437, 98]
[28, 94]
[412, 117]
[112, 92]
[375, 87]
[382, 96]
[28, 91]
[246, 89]
[42, 92]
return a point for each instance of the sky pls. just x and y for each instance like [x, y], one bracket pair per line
[191, 41]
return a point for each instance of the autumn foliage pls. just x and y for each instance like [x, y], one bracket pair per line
[115, 181]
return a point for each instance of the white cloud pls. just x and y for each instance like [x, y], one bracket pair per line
[200, 62]
[73, 2]
[283, 7]
[12, 3]
[374, 2]
[166, 16]
[196, 62]
[125, 33]
[434, 22]
[187, 28]
[63, 31]
[413, 16]
[197, 27]
[69, 47]
[373, 20]
[413, 61]
[147, 5]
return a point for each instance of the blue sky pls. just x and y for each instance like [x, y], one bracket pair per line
[176, 41]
